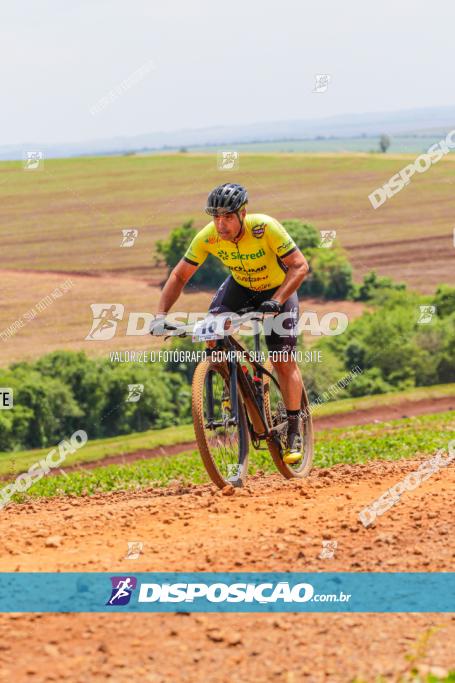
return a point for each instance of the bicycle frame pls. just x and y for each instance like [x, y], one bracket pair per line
[234, 405]
[253, 397]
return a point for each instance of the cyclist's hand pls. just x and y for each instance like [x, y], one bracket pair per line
[157, 326]
[270, 306]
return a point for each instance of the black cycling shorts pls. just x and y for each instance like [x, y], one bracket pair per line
[231, 297]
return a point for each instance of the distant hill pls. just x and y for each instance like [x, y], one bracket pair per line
[428, 122]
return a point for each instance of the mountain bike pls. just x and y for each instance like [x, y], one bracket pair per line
[235, 399]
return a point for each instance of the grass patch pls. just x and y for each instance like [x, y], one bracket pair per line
[394, 440]
[414, 670]
[366, 402]
[11, 464]
[413, 678]
[100, 448]
[386, 441]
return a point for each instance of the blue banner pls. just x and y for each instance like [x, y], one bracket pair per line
[228, 592]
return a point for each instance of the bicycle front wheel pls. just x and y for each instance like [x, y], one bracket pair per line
[276, 415]
[222, 438]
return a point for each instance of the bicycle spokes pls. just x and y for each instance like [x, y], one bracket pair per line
[222, 427]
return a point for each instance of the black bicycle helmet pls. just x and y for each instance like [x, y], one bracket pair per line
[227, 198]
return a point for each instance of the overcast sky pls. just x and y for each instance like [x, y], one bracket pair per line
[240, 61]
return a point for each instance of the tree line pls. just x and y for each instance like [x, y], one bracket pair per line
[65, 390]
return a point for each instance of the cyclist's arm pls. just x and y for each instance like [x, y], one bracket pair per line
[178, 278]
[298, 269]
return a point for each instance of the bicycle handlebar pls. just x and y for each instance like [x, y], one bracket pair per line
[186, 330]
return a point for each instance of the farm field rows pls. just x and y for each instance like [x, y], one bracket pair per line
[85, 202]
[67, 321]
[70, 216]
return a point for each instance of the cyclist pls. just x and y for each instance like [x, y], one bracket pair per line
[266, 268]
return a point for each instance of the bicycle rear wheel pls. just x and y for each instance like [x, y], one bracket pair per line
[276, 415]
[223, 446]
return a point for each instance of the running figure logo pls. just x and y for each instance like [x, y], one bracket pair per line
[426, 314]
[129, 237]
[122, 587]
[228, 160]
[322, 82]
[33, 161]
[328, 550]
[134, 392]
[134, 550]
[105, 318]
[327, 238]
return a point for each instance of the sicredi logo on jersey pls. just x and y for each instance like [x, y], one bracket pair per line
[234, 255]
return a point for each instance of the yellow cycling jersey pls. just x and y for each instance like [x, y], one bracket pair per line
[255, 260]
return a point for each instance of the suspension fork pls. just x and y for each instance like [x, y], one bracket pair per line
[233, 394]
[233, 390]
[259, 386]
[209, 396]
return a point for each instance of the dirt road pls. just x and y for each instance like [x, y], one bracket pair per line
[270, 525]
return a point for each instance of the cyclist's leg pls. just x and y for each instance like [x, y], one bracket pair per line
[222, 298]
[229, 298]
[282, 342]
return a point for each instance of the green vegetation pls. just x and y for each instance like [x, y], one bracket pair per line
[171, 250]
[384, 143]
[413, 670]
[11, 464]
[372, 285]
[331, 272]
[412, 677]
[391, 440]
[63, 390]
[444, 300]
[393, 349]
[388, 441]
[97, 449]
[415, 394]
